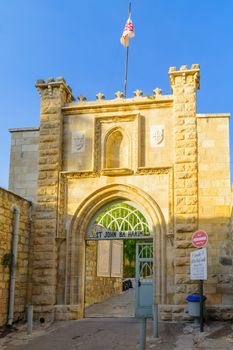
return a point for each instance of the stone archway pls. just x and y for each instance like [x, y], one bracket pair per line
[75, 274]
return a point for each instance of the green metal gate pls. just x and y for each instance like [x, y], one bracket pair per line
[144, 279]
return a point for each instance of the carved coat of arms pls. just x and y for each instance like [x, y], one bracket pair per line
[157, 136]
[78, 142]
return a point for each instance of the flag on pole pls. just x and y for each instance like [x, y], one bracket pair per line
[127, 33]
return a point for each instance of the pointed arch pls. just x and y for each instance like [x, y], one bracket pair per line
[76, 237]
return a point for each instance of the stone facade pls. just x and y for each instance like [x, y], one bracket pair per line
[184, 84]
[53, 96]
[24, 162]
[153, 151]
[22, 286]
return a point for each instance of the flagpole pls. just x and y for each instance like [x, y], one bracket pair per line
[127, 59]
[126, 70]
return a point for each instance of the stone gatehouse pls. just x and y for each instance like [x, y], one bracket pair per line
[154, 152]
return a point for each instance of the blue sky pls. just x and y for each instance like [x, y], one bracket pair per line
[80, 41]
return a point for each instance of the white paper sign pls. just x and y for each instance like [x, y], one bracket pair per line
[78, 141]
[198, 264]
[157, 136]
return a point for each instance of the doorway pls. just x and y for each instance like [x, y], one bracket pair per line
[114, 237]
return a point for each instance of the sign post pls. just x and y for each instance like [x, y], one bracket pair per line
[201, 307]
[198, 266]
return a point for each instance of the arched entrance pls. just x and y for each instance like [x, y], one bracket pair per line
[112, 254]
[80, 225]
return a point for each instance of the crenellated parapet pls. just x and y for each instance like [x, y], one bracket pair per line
[138, 96]
[185, 76]
[54, 88]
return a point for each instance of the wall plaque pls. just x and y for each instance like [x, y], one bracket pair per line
[157, 136]
[78, 141]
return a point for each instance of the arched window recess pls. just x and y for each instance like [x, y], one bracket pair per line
[116, 153]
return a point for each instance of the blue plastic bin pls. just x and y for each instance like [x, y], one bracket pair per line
[194, 304]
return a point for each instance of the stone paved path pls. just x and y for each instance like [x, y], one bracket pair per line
[121, 305]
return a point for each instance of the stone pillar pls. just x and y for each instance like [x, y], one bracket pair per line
[184, 83]
[54, 94]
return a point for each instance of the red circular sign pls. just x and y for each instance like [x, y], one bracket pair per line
[200, 239]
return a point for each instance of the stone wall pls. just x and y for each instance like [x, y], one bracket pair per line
[24, 162]
[215, 204]
[215, 312]
[7, 200]
[184, 83]
[54, 94]
[98, 288]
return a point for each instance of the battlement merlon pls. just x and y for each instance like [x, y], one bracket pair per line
[54, 87]
[185, 76]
